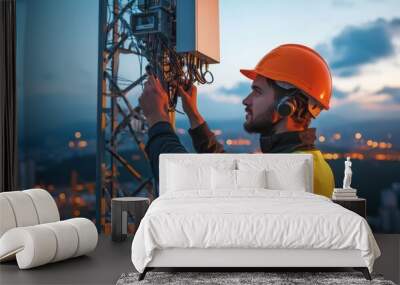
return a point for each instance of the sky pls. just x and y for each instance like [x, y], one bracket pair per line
[359, 39]
[57, 59]
[57, 56]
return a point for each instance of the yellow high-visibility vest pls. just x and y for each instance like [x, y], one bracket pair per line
[324, 181]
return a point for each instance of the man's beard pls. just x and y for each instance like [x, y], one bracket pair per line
[263, 124]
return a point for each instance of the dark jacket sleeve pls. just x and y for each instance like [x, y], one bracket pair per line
[162, 139]
[204, 140]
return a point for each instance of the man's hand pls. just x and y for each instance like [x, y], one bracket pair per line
[189, 105]
[154, 101]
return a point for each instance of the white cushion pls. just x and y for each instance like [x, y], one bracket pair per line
[23, 208]
[40, 244]
[251, 178]
[223, 179]
[87, 235]
[227, 179]
[26, 208]
[7, 218]
[281, 162]
[292, 179]
[34, 244]
[187, 175]
[46, 207]
[183, 178]
[67, 240]
[285, 174]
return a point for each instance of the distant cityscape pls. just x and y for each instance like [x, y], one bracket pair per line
[65, 166]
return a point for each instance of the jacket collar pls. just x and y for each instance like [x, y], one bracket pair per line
[288, 142]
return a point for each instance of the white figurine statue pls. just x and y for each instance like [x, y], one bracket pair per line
[347, 174]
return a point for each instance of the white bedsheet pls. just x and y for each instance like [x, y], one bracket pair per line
[252, 218]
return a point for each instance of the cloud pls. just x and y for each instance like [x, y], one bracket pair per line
[355, 46]
[231, 95]
[343, 3]
[359, 103]
[240, 88]
[394, 92]
[351, 3]
[222, 98]
[339, 94]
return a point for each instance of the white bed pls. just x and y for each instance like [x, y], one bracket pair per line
[247, 226]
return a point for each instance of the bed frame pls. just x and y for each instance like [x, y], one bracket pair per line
[240, 259]
[245, 259]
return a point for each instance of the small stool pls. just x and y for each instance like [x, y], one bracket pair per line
[120, 207]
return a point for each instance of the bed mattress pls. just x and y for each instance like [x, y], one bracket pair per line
[250, 219]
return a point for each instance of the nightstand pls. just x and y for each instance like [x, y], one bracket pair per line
[357, 205]
[121, 207]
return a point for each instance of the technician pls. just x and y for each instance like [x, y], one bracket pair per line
[291, 85]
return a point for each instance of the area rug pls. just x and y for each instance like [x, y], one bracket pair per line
[230, 278]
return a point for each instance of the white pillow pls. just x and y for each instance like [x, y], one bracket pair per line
[251, 178]
[188, 177]
[229, 179]
[223, 179]
[188, 174]
[281, 174]
[292, 179]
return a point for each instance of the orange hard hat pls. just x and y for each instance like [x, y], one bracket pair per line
[300, 66]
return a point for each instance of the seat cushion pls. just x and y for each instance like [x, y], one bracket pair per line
[26, 208]
[40, 244]
[23, 209]
[32, 246]
[45, 205]
[67, 240]
[87, 235]
[7, 218]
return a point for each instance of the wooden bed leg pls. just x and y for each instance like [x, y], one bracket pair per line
[364, 271]
[143, 274]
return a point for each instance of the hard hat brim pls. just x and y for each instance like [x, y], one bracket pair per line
[249, 73]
